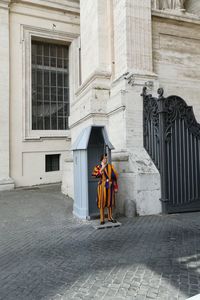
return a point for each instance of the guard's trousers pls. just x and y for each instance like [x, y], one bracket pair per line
[102, 217]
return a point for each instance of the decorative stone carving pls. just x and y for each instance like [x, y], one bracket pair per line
[193, 7]
[169, 4]
[4, 4]
[179, 4]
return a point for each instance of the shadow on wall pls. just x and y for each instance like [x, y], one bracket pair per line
[193, 7]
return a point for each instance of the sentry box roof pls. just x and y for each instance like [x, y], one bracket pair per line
[82, 140]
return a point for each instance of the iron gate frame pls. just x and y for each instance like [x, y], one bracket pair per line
[172, 136]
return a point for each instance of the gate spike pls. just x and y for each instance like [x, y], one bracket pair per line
[144, 91]
[160, 92]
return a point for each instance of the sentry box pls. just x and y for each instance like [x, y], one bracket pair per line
[89, 146]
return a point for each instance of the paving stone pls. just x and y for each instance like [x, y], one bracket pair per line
[111, 292]
[48, 254]
[107, 225]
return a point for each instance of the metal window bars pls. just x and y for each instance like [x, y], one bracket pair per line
[50, 86]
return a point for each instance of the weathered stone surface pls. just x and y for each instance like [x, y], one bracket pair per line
[170, 4]
[5, 181]
[130, 208]
[193, 6]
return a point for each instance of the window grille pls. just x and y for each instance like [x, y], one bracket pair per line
[50, 86]
[52, 162]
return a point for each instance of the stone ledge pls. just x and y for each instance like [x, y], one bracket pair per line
[181, 16]
[64, 5]
[4, 4]
[91, 82]
[6, 184]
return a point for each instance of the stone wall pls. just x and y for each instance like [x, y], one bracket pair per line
[55, 21]
[124, 43]
[94, 38]
[5, 181]
[123, 47]
[193, 7]
[176, 57]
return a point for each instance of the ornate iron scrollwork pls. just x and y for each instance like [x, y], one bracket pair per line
[150, 113]
[151, 125]
[172, 139]
[176, 108]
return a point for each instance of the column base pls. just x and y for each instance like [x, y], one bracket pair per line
[7, 184]
[139, 183]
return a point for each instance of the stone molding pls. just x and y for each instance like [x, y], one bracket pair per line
[137, 79]
[87, 117]
[91, 80]
[169, 5]
[64, 5]
[27, 32]
[116, 110]
[184, 17]
[7, 184]
[4, 4]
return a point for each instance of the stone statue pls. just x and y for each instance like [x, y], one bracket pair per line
[178, 4]
[169, 4]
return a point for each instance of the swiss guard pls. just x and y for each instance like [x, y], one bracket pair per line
[107, 187]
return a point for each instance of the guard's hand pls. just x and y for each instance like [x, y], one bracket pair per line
[103, 166]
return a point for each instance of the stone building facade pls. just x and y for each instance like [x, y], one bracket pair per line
[26, 149]
[114, 47]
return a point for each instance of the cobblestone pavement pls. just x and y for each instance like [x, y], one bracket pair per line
[46, 253]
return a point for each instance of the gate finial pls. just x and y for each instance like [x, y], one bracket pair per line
[160, 92]
[144, 91]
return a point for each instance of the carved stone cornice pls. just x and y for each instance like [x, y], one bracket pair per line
[4, 4]
[184, 17]
[64, 5]
[168, 4]
[91, 82]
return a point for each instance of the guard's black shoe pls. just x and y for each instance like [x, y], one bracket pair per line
[102, 223]
[112, 220]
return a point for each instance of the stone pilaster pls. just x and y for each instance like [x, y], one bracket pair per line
[139, 179]
[95, 55]
[89, 106]
[5, 181]
[133, 36]
[118, 33]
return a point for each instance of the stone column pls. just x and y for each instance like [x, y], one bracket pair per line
[90, 104]
[5, 181]
[133, 65]
[95, 54]
[133, 36]
[139, 179]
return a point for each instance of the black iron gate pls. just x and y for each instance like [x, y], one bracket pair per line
[172, 139]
